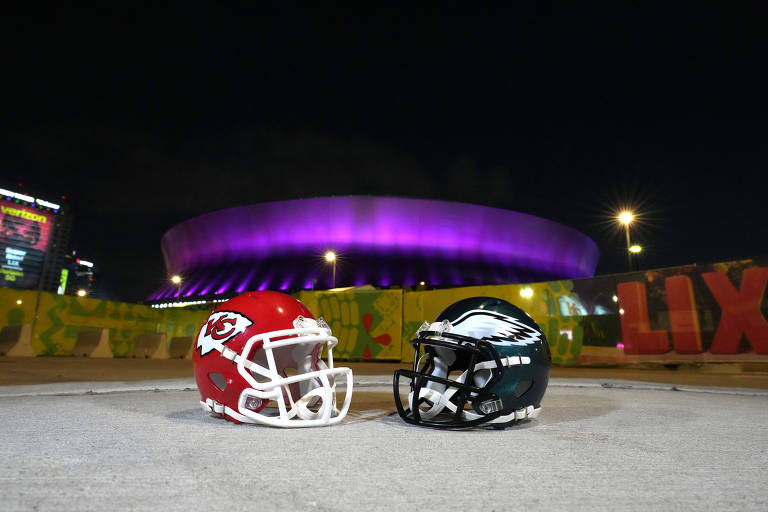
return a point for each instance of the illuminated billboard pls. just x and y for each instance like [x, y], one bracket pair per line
[24, 233]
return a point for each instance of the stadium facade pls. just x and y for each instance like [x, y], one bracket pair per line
[381, 241]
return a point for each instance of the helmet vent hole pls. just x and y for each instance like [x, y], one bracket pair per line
[218, 380]
[522, 387]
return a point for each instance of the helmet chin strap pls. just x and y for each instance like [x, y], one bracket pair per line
[434, 397]
[303, 404]
[325, 392]
[441, 399]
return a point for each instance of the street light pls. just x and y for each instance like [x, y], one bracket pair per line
[626, 217]
[81, 293]
[330, 257]
[636, 249]
[176, 279]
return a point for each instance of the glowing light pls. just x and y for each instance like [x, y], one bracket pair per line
[47, 204]
[422, 283]
[626, 217]
[635, 249]
[526, 292]
[246, 281]
[621, 311]
[452, 243]
[176, 279]
[183, 304]
[84, 263]
[615, 298]
[81, 293]
[29, 199]
[620, 345]
[18, 301]
[330, 257]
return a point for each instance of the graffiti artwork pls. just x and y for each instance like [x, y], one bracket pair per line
[711, 312]
[718, 309]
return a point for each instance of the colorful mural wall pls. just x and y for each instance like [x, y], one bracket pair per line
[697, 313]
[368, 323]
[68, 325]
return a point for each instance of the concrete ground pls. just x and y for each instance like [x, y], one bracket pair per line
[72, 438]
[38, 370]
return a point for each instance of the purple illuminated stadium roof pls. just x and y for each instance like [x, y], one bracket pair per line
[380, 240]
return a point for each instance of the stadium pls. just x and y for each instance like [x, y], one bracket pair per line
[379, 241]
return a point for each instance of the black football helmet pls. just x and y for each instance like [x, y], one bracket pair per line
[483, 360]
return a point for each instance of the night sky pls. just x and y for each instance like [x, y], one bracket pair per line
[145, 118]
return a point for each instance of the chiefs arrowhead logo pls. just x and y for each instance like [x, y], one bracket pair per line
[221, 327]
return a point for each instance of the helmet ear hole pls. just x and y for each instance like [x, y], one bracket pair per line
[522, 387]
[218, 380]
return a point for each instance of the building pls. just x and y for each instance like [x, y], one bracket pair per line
[79, 277]
[33, 241]
[382, 241]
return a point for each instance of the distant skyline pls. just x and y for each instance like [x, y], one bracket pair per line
[145, 118]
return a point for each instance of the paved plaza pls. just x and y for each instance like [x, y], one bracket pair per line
[599, 444]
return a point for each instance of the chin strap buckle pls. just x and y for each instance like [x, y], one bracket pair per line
[491, 406]
[212, 406]
[527, 412]
[516, 360]
[228, 353]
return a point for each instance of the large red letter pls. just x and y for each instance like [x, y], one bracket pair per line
[635, 326]
[741, 310]
[683, 317]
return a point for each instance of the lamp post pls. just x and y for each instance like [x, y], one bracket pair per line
[330, 257]
[176, 279]
[626, 218]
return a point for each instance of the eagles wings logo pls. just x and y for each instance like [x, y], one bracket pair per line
[495, 328]
[221, 327]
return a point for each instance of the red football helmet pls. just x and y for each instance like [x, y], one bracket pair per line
[258, 360]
